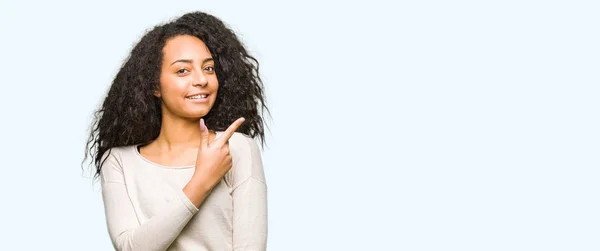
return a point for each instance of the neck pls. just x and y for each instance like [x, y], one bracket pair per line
[177, 133]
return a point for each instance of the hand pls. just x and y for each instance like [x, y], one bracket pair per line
[213, 159]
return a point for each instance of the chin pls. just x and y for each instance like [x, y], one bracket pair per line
[196, 114]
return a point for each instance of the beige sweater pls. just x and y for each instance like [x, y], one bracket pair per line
[146, 209]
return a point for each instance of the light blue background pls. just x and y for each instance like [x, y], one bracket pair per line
[416, 125]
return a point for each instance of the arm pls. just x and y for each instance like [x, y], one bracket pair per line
[159, 232]
[249, 194]
[125, 231]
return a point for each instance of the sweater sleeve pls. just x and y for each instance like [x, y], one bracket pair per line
[249, 193]
[125, 231]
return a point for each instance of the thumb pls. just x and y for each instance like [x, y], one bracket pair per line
[204, 134]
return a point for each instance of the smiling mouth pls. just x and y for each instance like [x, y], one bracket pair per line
[199, 96]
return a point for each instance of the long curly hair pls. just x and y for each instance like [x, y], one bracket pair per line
[131, 114]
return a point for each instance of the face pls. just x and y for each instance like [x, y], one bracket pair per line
[188, 82]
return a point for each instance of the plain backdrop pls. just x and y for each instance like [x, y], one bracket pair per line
[398, 125]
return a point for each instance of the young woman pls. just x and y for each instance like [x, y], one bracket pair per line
[174, 142]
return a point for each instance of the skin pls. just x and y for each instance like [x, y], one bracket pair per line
[187, 69]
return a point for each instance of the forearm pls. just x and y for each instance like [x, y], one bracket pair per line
[154, 234]
[160, 231]
[197, 189]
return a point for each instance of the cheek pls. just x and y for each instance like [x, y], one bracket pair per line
[214, 83]
[172, 88]
[171, 97]
[215, 91]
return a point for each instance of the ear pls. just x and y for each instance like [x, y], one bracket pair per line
[157, 93]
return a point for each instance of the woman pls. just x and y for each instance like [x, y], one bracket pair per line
[173, 143]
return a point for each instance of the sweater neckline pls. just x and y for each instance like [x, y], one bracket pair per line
[137, 152]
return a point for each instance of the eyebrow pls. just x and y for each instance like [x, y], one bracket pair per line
[191, 61]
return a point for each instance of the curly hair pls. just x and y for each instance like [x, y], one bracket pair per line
[131, 114]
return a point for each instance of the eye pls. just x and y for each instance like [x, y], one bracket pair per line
[182, 71]
[209, 69]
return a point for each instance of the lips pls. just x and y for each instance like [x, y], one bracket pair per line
[197, 96]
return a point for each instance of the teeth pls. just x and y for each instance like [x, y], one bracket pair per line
[198, 96]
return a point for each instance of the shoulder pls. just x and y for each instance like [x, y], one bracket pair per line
[112, 160]
[119, 153]
[246, 157]
[242, 142]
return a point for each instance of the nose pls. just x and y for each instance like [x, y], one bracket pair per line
[200, 79]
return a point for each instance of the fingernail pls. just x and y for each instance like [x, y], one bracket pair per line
[202, 125]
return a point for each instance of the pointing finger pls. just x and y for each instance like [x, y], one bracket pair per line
[224, 138]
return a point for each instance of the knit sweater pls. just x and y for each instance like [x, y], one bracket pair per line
[146, 209]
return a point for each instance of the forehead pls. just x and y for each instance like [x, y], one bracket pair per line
[185, 46]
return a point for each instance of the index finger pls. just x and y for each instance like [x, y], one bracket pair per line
[223, 138]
